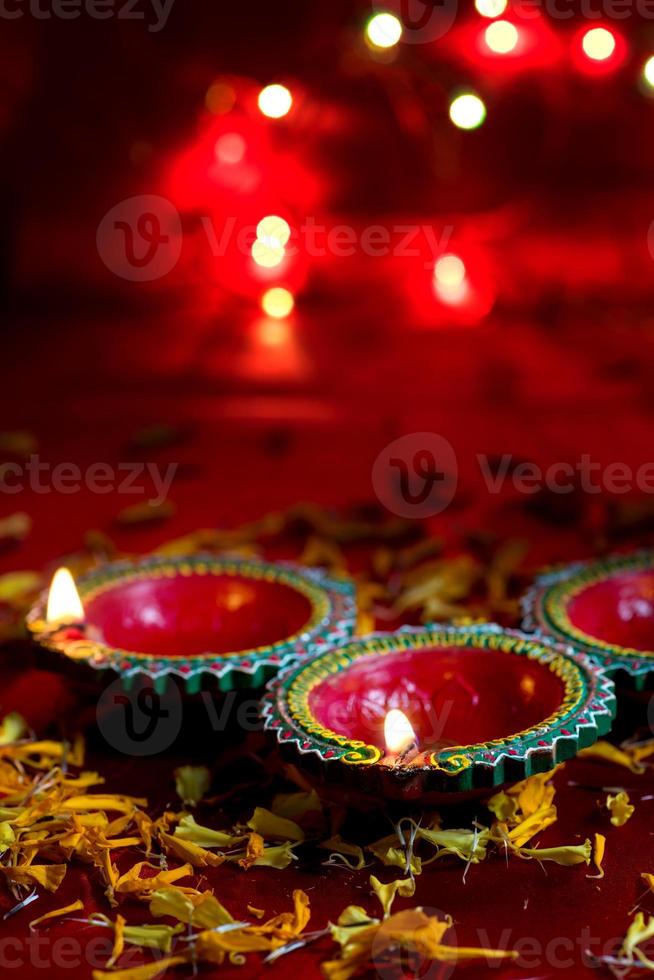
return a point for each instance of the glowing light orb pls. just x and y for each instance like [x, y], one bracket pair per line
[277, 302]
[267, 256]
[273, 230]
[275, 101]
[274, 333]
[450, 271]
[598, 44]
[490, 8]
[230, 148]
[501, 36]
[384, 30]
[467, 111]
[648, 71]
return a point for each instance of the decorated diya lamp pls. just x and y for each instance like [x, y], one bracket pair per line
[604, 608]
[436, 714]
[208, 621]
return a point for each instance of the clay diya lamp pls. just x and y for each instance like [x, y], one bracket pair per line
[214, 622]
[604, 608]
[436, 714]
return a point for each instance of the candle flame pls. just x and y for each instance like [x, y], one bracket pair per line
[398, 733]
[64, 603]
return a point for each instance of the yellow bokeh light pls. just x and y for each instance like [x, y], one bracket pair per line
[467, 111]
[277, 302]
[267, 256]
[648, 71]
[273, 230]
[598, 44]
[274, 333]
[275, 101]
[501, 36]
[490, 8]
[384, 31]
[450, 271]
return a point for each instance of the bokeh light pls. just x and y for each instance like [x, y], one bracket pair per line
[501, 36]
[384, 30]
[220, 98]
[449, 271]
[277, 302]
[230, 148]
[598, 44]
[275, 101]
[490, 8]
[648, 71]
[273, 231]
[467, 111]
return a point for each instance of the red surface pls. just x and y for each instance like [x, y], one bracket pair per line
[457, 696]
[618, 610]
[196, 614]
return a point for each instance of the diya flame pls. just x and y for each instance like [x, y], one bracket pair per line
[64, 603]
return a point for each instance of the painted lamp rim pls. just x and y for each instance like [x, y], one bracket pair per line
[332, 619]
[545, 612]
[586, 712]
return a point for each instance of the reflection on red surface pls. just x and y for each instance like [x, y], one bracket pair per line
[183, 616]
[450, 696]
[618, 610]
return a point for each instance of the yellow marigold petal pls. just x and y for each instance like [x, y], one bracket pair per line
[609, 753]
[147, 972]
[386, 893]
[567, 854]
[152, 936]
[49, 876]
[532, 825]
[598, 855]
[73, 907]
[119, 940]
[649, 880]
[198, 856]
[340, 848]
[189, 830]
[200, 909]
[293, 806]
[272, 827]
[13, 725]
[640, 931]
[503, 806]
[257, 913]
[620, 808]
[192, 783]
[120, 804]
[276, 856]
[132, 883]
[469, 845]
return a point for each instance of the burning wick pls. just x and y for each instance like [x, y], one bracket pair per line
[64, 603]
[399, 736]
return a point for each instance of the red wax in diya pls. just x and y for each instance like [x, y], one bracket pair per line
[604, 608]
[436, 713]
[201, 619]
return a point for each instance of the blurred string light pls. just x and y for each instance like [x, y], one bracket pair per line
[501, 37]
[275, 101]
[383, 31]
[490, 8]
[648, 71]
[467, 111]
[269, 249]
[277, 302]
[450, 279]
[598, 44]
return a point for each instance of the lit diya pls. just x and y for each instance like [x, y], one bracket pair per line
[437, 711]
[209, 621]
[604, 608]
